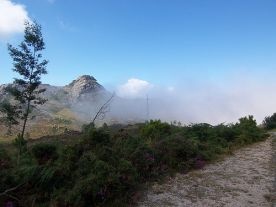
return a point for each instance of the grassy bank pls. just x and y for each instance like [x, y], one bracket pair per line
[108, 165]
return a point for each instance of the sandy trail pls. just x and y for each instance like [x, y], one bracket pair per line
[244, 179]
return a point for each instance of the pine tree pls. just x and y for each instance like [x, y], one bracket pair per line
[28, 63]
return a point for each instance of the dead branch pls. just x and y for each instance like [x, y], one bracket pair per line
[6, 192]
[104, 109]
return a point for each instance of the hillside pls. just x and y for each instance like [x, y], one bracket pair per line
[112, 166]
[67, 106]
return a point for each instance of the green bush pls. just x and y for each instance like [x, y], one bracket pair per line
[97, 137]
[20, 143]
[44, 152]
[128, 176]
[143, 159]
[95, 187]
[248, 131]
[270, 122]
[226, 132]
[136, 150]
[177, 152]
[155, 130]
[105, 166]
[200, 131]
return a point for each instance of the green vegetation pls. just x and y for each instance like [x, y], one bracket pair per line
[25, 90]
[107, 166]
[270, 122]
[10, 114]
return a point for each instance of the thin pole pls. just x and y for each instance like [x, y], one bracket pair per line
[147, 108]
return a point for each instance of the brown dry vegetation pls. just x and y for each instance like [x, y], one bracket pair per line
[244, 179]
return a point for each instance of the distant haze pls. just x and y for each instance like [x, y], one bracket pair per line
[137, 100]
[204, 101]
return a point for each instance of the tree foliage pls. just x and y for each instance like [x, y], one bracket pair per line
[28, 63]
[270, 122]
[9, 115]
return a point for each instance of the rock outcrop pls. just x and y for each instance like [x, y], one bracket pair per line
[83, 87]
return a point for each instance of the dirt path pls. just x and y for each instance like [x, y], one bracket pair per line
[242, 180]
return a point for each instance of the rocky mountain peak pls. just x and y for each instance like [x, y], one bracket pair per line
[84, 89]
[84, 84]
[83, 80]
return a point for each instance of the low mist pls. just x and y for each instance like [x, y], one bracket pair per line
[222, 101]
[212, 102]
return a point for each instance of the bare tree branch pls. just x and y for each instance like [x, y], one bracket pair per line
[6, 192]
[103, 109]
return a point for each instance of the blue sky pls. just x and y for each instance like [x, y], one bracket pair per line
[132, 45]
[161, 41]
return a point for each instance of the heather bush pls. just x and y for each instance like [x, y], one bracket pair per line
[177, 153]
[155, 130]
[143, 159]
[105, 166]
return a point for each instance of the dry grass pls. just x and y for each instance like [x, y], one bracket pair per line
[243, 179]
[39, 129]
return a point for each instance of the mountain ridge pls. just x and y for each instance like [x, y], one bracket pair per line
[77, 103]
[80, 88]
[73, 103]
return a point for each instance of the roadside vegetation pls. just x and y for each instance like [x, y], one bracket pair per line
[107, 166]
[269, 122]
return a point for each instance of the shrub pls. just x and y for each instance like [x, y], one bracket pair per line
[97, 187]
[135, 150]
[104, 167]
[143, 159]
[86, 128]
[5, 173]
[209, 150]
[86, 162]
[5, 160]
[44, 152]
[177, 152]
[125, 145]
[227, 132]
[20, 143]
[155, 130]
[127, 175]
[270, 122]
[96, 137]
[248, 131]
[200, 131]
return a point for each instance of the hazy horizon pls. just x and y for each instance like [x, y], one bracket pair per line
[211, 61]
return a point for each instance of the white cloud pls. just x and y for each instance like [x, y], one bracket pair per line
[12, 18]
[51, 1]
[134, 88]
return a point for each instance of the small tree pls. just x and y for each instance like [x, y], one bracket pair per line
[28, 64]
